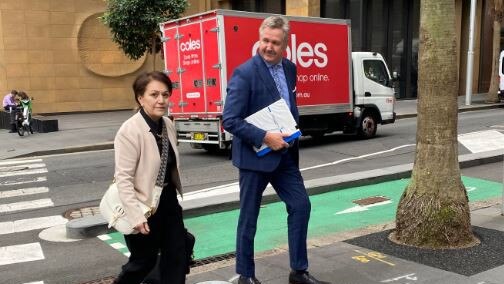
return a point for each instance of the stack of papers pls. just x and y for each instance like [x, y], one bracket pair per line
[275, 118]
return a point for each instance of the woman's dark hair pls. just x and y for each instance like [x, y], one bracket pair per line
[145, 78]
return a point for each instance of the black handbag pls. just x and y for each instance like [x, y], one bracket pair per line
[190, 240]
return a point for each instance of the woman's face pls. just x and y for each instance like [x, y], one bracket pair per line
[154, 101]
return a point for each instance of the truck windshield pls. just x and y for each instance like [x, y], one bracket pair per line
[375, 70]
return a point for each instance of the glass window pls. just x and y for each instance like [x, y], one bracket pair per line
[375, 70]
[332, 9]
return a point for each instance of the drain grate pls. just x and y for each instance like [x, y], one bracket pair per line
[106, 280]
[370, 200]
[212, 259]
[81, 212]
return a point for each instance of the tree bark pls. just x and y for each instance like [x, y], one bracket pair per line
[434, 211]
[153, 52]
[497, 14]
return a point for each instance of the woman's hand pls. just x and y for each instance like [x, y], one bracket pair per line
[143, 228]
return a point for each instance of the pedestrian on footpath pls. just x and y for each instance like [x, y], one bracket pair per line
[10, 106]
[143, 144]
[257, 83]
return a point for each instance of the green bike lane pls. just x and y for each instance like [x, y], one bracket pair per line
[332, 212]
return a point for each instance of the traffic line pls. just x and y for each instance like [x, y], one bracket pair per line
[21, 253]
[36, 282]
[17, 162]
[15, 168]
[23, 180]
[23, 172]
[482, 141]
[23, 191]
[25, 205]
[25, 225]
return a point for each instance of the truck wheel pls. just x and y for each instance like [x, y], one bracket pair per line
[368, 126]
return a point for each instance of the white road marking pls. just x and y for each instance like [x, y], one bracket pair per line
[21, 253]
[23, 191]
[234, 187]
[482, 141]
[16, 162]
[25, 205]
[104, 237]
[23, 180]
[36, 282]
[16, 168]
[25, 225]
[358, 157]
[360, 208]
[117, 245]
[23, 172]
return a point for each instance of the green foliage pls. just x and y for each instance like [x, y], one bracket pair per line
[135, 23]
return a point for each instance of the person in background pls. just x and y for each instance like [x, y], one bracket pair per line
[139, 154]
[10, 106]
[26, 106]
[257, 83]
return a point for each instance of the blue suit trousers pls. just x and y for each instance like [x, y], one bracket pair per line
[287, 181]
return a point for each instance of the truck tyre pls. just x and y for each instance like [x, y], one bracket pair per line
[367, 127]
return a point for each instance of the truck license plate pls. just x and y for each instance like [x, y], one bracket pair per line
[199, 136]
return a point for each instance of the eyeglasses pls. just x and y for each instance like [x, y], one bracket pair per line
[165, 94]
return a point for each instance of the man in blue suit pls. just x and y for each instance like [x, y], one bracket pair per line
[257, 83]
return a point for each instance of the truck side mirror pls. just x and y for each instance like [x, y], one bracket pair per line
[395, 76]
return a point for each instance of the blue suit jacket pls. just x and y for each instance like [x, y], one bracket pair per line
[250, 89]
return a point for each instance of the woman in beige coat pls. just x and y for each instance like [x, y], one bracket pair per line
[138, 148]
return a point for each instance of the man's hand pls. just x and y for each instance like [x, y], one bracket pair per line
[275, 140]
[143, 228]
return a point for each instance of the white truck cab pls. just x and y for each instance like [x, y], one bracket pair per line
[374, 95]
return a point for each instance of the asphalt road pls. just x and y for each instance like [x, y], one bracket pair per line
[79, 180]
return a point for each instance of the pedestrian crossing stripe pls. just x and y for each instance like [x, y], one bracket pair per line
[216, 233]
[115, 240]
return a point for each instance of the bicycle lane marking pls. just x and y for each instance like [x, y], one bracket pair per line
[216, 233]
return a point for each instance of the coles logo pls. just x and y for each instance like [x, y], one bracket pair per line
[304, 54]
[190, 45]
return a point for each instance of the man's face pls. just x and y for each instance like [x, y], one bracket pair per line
[272, 45]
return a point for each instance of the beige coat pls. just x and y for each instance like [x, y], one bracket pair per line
[137, 163]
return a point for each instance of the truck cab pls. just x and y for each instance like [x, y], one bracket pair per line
[374, 95]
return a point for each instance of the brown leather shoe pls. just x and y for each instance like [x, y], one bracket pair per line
[296, 277]
[248, 280]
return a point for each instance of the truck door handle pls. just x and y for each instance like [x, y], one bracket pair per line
[367, 94]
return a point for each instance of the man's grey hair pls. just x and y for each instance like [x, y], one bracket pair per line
[276, 22]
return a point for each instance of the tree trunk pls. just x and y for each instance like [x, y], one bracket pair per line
[497, 12]
[153, 52]
[434, 211]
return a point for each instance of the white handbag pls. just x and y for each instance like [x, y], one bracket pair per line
[112, 208]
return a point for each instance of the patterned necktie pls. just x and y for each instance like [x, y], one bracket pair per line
[275, 69]
[164, 157]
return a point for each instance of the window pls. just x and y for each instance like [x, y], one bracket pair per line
[376, 71]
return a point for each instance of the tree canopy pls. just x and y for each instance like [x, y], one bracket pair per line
[135, 23]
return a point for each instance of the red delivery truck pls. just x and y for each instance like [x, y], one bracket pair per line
[337, 90]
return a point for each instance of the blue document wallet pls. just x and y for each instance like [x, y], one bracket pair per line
[274, 118]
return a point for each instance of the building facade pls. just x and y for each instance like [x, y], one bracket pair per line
[62, 55]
